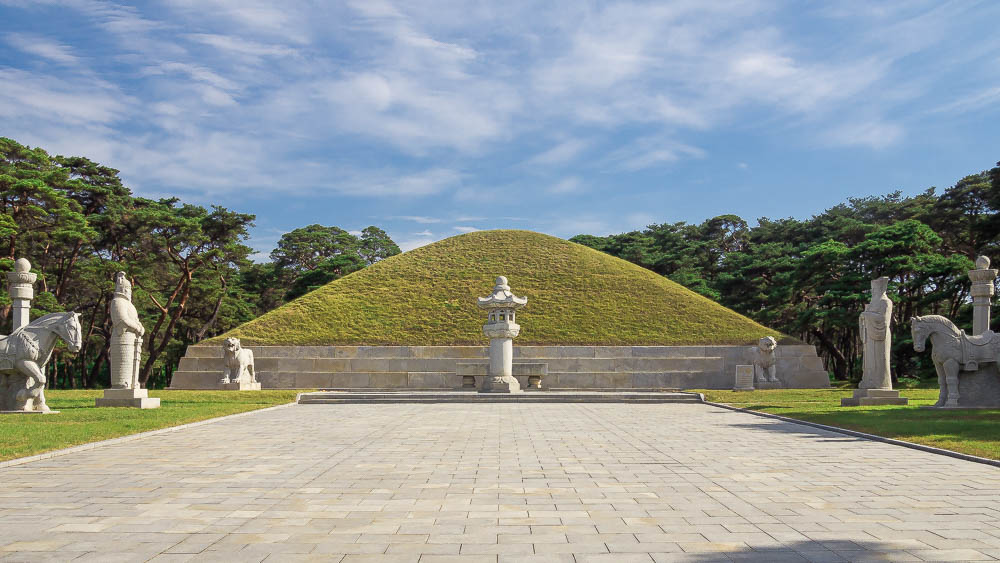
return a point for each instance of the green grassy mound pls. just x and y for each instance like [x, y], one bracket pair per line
[576, 295]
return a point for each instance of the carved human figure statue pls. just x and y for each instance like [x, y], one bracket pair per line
[126, 336]
[874, 324]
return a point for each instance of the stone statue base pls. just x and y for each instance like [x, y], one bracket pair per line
[976, 389]
[135, 398]
[874, 397]
[502, 384]
[240, 386]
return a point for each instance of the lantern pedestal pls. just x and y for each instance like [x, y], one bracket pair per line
[501, 374]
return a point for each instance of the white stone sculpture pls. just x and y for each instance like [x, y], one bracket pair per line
[763, 360]
[126, 352]
[874, 324]
[126, 336]
[876, 380]
[954, 351]
[24, 354]
[982, 292]
[20, 286]
[239, 372]
[501, 330]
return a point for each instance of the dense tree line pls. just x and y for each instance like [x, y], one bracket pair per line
[191, 271]
[810, 278]
[194, 278]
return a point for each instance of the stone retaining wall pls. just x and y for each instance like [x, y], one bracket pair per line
[438, 367]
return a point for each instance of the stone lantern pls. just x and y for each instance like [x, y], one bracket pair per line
[982, 291]
[501, 330]
[20, 287]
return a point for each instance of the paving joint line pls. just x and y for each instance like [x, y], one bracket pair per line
[855, 433]
[131, 437]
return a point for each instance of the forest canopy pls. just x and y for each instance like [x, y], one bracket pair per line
[190, 267]
[810, 278]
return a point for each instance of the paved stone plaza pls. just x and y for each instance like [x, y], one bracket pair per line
[500, 482]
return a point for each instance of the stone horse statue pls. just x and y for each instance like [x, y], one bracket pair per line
[953, 349]
[23, 356]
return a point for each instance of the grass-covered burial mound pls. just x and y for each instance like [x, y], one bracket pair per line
[576, 295]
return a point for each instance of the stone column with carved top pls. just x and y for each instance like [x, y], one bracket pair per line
[20, 286]
[982, 293]
[501, 330]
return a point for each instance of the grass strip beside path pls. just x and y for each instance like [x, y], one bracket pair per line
[970, 431]
[79, 422]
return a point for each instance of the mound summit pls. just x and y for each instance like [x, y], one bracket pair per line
[427, 296]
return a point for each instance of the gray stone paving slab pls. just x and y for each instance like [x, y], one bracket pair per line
[500, 482]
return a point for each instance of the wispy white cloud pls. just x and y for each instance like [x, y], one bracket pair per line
[875, 134]
[418, 219]
[234, 45]
[651, 151]
[971, 102]
[562, 153]
[418, 184]
[40, 98]
[565, 186]
[465, 229]
[41, 46]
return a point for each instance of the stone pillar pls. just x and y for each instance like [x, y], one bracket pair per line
[982, 292]
[20, 286]
[502, 351]
[501, 330]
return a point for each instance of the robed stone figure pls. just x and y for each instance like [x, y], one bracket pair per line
[126, 336]
[874, 324]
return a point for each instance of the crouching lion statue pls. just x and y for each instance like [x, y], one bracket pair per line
[238, 363]
[763, 361]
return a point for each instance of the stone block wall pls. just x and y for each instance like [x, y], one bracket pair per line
[441, 367]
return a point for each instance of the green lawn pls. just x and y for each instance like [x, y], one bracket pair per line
[79, 422]
[970, 431]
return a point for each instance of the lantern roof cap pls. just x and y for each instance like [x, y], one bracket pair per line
[502, 297]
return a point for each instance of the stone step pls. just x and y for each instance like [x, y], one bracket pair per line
[328, 397]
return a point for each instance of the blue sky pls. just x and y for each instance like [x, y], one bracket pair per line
[432, 118]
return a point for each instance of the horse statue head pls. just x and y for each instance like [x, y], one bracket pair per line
[919, 333]
[923, 327]
[64, 325]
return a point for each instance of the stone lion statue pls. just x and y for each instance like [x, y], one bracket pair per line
[238, 362]
[763, 361]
